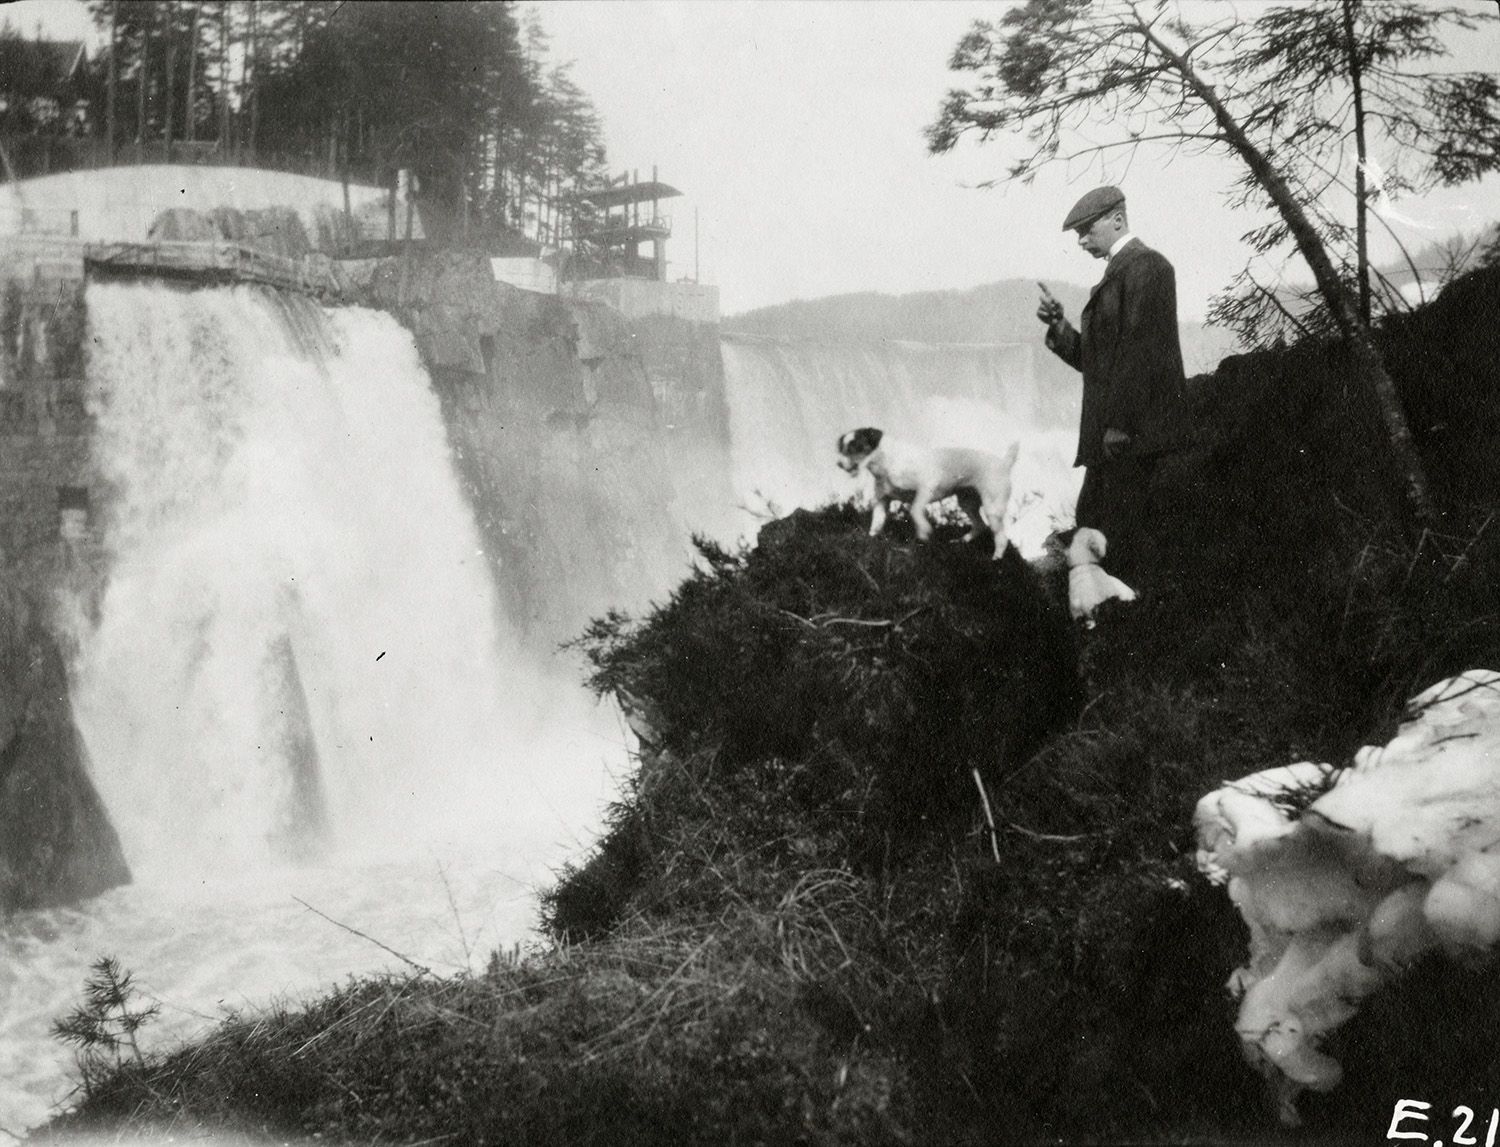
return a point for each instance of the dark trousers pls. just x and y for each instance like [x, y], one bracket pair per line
[1116, 501]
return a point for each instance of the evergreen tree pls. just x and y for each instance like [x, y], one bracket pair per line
[458, 92]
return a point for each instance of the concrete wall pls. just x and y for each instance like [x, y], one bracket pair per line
[590, 444]
[644, 298]
[528, 274]
[44, 419]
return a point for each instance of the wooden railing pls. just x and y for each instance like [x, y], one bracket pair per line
[215, 260]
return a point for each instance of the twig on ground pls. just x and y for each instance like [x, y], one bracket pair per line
[426, 971]
[905, 617]
[1462, 559]
[1024, 831]
[463, 937]
[989, 816]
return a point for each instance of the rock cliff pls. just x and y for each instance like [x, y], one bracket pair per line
[56, 841]
[590, 445]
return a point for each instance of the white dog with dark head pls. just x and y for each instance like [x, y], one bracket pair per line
[1089, 586]
[921, 476]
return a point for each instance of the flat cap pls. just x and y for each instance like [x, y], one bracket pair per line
[1096, 203]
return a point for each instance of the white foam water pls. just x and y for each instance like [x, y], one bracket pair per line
[282, 506]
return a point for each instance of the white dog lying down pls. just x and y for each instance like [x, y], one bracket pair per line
[1089, 586]
[921, 476]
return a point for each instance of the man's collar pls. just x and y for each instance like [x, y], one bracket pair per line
[1114, 248]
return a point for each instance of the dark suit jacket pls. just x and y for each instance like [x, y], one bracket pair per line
[1129, 354]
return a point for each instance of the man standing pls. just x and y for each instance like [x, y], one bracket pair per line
[1131, 359]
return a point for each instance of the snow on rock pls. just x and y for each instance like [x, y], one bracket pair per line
[1392, 857]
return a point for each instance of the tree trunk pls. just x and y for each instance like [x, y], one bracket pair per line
[462, 184]
[189, 104]
[142, 75]
[1361, 207]
[224, 81]
[349, 237]
[171, 10]
[406, 253]
[252, 61]
[112, 84]
[1368, 363]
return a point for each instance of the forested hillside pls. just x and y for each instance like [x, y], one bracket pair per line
[459, 92]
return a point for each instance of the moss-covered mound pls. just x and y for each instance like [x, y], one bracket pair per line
[824, 694]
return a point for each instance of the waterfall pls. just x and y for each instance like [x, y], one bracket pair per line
[306, 713]
[297, 640]
[789, 400]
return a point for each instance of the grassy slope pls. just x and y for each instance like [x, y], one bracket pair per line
[795, 930]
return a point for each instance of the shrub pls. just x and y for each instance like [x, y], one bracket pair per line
[824, 693]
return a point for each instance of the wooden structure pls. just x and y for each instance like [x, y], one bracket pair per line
[212, 261]
[615, 220]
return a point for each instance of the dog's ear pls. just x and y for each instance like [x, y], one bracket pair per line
[1087, 547]
[858, 443]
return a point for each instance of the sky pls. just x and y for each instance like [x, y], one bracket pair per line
[794, 130]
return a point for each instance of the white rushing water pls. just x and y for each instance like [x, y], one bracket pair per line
[296, 691]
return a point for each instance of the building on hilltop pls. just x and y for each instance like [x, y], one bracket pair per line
[601, 257]
[43, 86]
[612, 222]
[610, 227]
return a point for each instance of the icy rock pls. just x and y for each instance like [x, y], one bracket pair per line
[1394, 856]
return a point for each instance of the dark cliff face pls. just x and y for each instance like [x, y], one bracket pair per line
[56, 842]
[587, 443]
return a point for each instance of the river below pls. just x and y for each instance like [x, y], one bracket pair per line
[204, 946]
